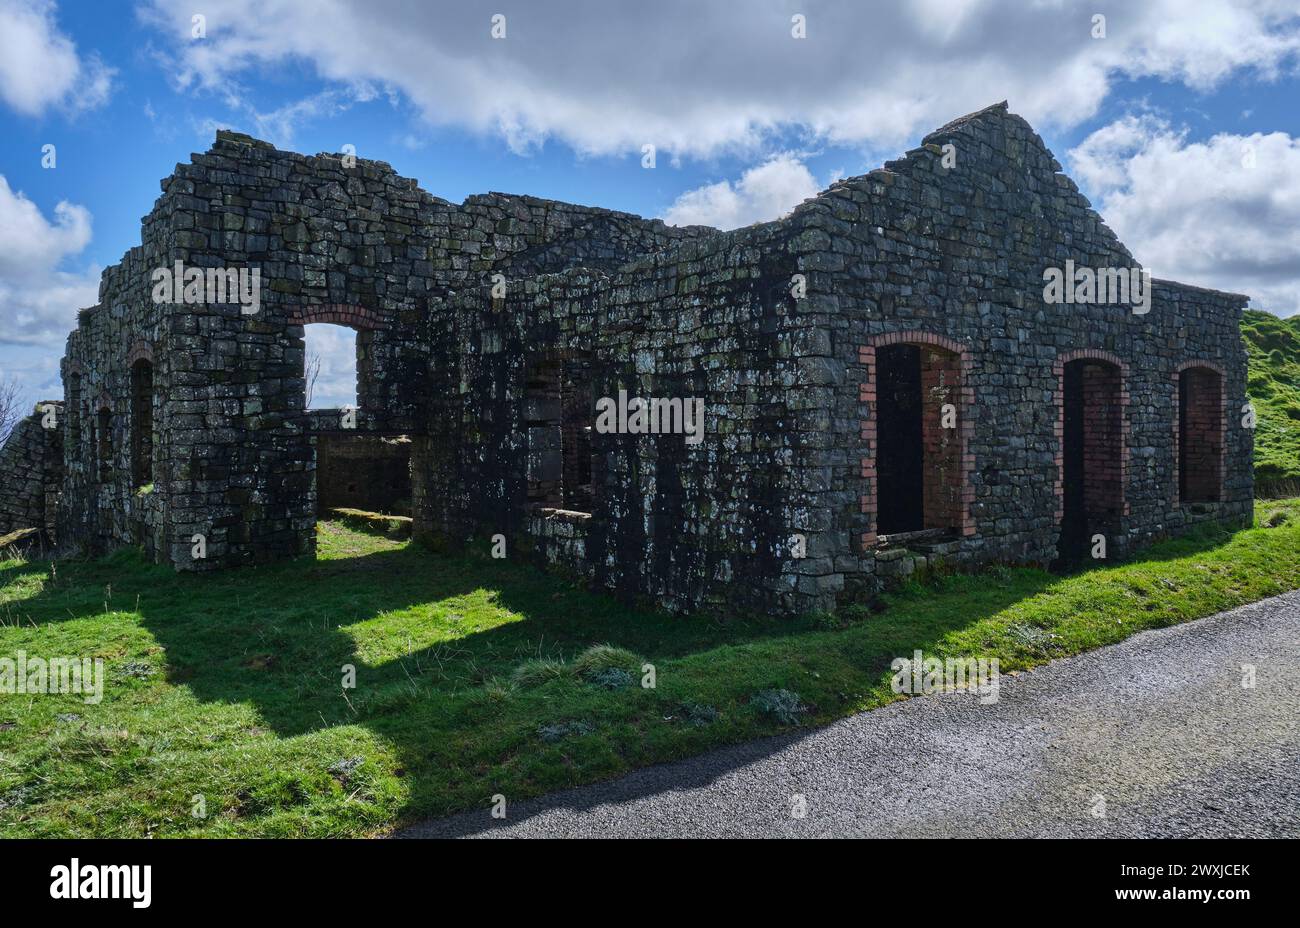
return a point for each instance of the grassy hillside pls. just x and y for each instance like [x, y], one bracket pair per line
[229, 706]
[1274, 348]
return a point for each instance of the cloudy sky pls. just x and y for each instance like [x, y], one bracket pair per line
[1180, 122]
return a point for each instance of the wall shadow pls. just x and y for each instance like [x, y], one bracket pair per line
[277, 637]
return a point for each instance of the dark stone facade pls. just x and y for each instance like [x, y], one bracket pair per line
[888, 338]
[31, 472]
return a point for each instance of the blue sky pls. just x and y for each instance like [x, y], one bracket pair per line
[1154, 119]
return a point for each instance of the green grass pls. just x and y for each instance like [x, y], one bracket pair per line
[1273, 348]
[477, 677]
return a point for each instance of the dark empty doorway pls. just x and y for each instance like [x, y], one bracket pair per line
[900, 454]
[1092, 457]
[367, 472]
[918, 455]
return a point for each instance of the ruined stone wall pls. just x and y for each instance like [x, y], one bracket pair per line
[347, 243]
[916, 253]
[455, 304]
[959, 253]
[101, 506]
[683, 524]
[31, 473]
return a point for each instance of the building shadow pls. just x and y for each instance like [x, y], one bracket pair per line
[279, 638]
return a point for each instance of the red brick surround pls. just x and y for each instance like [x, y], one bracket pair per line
[140, 350]
[1222, 427]
[1058, 368]
[354, 317]
[867, 395]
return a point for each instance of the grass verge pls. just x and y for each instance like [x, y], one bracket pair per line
[224, 711]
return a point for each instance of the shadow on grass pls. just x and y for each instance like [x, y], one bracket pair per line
[278, 638]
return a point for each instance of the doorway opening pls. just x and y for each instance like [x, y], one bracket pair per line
[1092, 456]
[1200, 435]
[919, 451]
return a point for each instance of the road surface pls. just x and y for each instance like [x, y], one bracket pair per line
[1155, 736]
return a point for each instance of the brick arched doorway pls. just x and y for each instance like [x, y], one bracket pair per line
[916, 463]
[1092, 451]
[1200, 433]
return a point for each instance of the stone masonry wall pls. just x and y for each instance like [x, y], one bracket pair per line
[356, 245]
[958, 254]
[776, 327]
[31, 470]
[684, 524]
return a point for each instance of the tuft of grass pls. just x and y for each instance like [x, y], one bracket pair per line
[611, 678]
[698, 714]
[558, 731]
[600, 657]
[539, 670]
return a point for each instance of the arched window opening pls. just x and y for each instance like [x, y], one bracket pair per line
[1200, 435]
[141, 423]
[330, 366]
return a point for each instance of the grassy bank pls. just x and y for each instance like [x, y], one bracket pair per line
[1273, 349]
[476, 677]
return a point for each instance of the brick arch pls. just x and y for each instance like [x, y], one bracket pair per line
[1092, 354]
[965, 422]
[75, 369]
[103, 401]
[1208, 365]
[1222, 373]
[140, 350]
[361, 318]
[1058, 430]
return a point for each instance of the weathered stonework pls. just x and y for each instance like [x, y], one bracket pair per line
[31, 469]
[889, 340]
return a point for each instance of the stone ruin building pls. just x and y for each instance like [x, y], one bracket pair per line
[884, 383]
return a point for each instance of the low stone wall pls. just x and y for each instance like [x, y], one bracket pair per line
[367, 472]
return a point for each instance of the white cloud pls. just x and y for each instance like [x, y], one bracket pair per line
[336, 347]
[766, 192]
[278, 126]
[1221, 213]
[39, 65]
[697, 78]
[38, 300]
